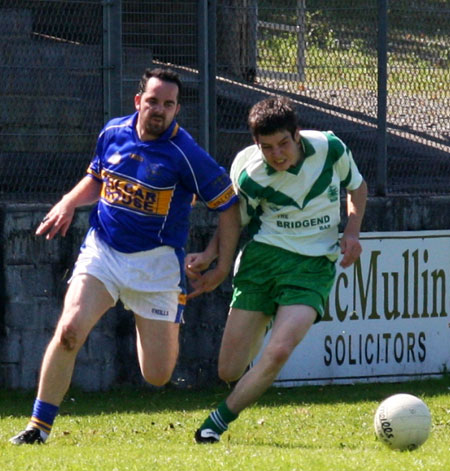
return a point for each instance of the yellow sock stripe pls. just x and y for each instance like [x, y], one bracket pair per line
[35, 422]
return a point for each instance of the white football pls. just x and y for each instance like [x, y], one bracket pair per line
[402, 422]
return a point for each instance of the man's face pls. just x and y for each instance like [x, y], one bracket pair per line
[157, 108]
[281, 151]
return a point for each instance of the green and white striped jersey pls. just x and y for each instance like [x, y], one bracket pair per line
[297, 209]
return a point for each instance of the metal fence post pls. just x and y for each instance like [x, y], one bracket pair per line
[381, 173]
[203, 82]
[112, 59]
[207, 75]
[212, 33]
[301, 53]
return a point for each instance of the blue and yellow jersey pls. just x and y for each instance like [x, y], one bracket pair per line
[148, 186]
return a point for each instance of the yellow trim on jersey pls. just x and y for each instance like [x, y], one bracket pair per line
[182, 299]
[90, 171]
[175, 130]
[222, 199]
[120, 191]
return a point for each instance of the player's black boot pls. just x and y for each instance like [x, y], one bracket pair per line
[27, 437]
[206, 435]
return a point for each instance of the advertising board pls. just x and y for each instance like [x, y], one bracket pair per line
[387, 317]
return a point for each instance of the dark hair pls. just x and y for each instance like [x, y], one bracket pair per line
[166, 75]
[271, 115]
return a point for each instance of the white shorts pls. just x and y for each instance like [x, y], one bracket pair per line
[149, 283]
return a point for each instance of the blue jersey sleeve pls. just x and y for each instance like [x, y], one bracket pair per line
[95, 167]
[202, 175]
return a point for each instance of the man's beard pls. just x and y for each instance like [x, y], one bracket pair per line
[155, 128]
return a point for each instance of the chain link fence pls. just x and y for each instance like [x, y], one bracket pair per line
[377, 73]
[51, 94]
[328, 57]
[161, 33]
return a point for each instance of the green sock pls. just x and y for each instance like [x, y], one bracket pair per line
[219, 419]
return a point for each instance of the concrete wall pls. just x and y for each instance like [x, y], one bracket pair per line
[33, 282]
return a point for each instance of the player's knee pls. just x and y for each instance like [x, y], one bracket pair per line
[157, 378]
[69, 337]
[229, 373]
[277, 355]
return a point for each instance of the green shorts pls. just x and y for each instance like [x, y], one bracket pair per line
[268, 277]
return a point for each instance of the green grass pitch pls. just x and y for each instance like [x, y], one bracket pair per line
[314, 428]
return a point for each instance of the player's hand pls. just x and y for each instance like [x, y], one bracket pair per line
[206, 282]
[350, 249]
[57, 220]
[195, 264]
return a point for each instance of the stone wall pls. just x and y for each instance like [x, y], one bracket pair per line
[33, 282]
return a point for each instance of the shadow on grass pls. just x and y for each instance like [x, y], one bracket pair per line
[151, 400]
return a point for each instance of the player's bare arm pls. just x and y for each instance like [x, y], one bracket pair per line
[356, 206]
[59, 218]
[197, 262]
[224, 242]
